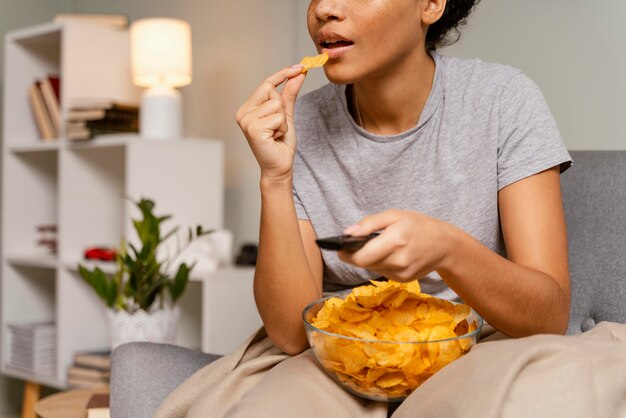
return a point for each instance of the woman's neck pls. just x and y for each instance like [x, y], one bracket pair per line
[392, 103]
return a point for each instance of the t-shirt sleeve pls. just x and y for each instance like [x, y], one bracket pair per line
[300, 211]
[529, 141]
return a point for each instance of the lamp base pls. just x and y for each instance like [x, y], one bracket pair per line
[161, 115]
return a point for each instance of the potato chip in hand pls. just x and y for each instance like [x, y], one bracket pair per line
[313, 62]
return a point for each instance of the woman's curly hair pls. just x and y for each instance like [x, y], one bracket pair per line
[445, 31]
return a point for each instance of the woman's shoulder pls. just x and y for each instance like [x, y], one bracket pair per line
[487, 81]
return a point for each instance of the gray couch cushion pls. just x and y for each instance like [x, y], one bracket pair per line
[594, 192]
[143, 374]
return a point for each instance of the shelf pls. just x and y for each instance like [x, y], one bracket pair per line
[196, 274]
[123, 139]
[223, 273]
[37, 147]
[106, 267]
[48, 261]
[43, 34]
[103, 141]
[48, 381]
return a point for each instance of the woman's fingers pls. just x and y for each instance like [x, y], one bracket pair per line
[256, 116]
[290, 93]
[267, 126]
[374, 223]
[373, 252]
[266, 89]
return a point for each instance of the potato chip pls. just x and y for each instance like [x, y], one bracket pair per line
[387, 318]
[312, 62]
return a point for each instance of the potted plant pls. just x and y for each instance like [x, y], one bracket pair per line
[142, 294]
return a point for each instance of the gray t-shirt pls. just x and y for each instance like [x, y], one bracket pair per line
[484, 126]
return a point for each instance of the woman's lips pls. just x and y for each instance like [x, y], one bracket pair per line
[333, 43]
[337, 51]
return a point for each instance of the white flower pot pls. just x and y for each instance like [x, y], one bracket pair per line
[157, 326]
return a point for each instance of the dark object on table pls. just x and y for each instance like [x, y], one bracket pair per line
[247, 255]
[100, 253]
[98, 406]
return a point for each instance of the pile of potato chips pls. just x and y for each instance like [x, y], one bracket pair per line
[393, 323]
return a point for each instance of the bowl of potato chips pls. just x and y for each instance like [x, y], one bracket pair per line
[383, 340]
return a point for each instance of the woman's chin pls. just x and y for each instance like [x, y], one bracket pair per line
[340, 76]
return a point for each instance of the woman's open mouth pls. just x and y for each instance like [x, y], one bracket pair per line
[336, 44]
[333, 43]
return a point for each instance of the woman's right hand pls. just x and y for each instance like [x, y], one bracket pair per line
[267, 121]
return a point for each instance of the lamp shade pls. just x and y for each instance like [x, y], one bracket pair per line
[161, 52]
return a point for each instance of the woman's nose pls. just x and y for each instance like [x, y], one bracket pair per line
[326, 10]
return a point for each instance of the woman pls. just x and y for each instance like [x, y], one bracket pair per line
[452, 142]
[457, 162]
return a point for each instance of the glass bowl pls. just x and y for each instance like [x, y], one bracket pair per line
[383, 370]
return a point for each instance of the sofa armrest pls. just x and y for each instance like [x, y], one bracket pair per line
[137, 371]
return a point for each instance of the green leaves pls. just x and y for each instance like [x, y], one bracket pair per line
[178, 285]
[141, 280]
[104, 287]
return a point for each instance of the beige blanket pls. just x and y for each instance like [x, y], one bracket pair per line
[539, 376]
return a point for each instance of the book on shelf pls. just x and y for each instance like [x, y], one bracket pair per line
[51, 96]
[42, 117]
[32, 348]
[101, 103]
[89, 374]
[96, 360]
[113, 112]
[80, 383]
[87, 118]
[98, 406]
[90, 370]
[115, 20]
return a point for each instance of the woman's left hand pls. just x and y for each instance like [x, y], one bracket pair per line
[410, 246]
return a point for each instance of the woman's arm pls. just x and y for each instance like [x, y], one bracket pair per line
[289, 266]
[528, 293]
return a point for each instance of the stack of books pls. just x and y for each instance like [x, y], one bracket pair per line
[44, 97]
[88, 118]
[90, 370]
[33, 348]
[47, 237]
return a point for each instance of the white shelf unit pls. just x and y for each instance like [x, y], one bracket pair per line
[81, 187]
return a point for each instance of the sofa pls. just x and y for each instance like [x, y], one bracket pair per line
[594, 193]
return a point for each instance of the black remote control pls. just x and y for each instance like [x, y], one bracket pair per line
[344, 242]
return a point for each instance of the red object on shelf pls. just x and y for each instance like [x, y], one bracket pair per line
[100, 253]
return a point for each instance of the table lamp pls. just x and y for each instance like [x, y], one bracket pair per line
[161, 62]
